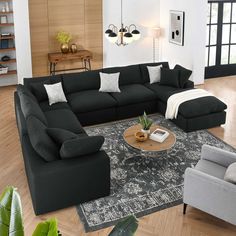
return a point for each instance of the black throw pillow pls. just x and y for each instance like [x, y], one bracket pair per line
[184, 75]
[170, 77]
[81, 146]
[30, 107]
[61, 135]
[21, 89]
[39, 90]
[41, 141]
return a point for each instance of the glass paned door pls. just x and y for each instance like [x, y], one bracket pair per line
[221, 39]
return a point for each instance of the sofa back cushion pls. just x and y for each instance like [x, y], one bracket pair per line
[144, 69]
[21, 89]
[36, 85]
[81, 146]
[76, 82]
[170, 77]
[61, 135]
[128, 74]
[184, 75]
[41, 141]
[30, 107]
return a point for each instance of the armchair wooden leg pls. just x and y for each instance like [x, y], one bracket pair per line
[185, 208]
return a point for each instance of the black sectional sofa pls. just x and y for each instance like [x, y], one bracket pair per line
[61, 183]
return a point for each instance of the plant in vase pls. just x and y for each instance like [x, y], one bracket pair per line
[11, 222]
[146, 123]
[64, 38]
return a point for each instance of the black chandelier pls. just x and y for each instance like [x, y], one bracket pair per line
[124, 35]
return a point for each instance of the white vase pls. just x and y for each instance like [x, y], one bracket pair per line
[7, 7]
[146, 131]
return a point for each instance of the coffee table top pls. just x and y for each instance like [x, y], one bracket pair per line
[148, 145]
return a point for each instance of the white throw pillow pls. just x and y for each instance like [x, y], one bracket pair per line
[55, 93]
[109, 82]
[154, 73]
[230, 174]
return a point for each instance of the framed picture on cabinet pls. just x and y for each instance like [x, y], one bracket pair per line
[176, 34]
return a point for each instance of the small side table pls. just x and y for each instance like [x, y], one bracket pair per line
[84, 56]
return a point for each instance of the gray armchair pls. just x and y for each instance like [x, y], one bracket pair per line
[205, 187]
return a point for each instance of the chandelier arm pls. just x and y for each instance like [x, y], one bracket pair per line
[127, 28]
[115, 29]
[132, 25]
[111, 26]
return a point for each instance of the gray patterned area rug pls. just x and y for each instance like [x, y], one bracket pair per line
[143, 183]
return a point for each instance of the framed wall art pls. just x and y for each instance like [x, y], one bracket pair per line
[176, 34]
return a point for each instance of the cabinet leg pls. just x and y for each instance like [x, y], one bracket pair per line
[50, 68]
[89, 62]
[85, 65]
[184, 208]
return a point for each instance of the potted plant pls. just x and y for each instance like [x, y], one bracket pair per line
[11, 222]
[64, 38]
[146, 123]
[125, 227]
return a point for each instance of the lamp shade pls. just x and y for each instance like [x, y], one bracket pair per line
[136, 34]
[156, 32]
[128, 38]
[113, 37]
[107, 32]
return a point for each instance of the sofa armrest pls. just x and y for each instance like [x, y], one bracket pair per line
[189, 84]
[217, 155]
[210, 194]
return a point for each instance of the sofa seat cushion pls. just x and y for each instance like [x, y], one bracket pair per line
[63, 119]
[211, 168]
[162, 92]
[90, 100]
[201, 106]
[131, 94]
[46, 107]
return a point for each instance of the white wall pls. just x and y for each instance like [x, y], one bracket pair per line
[144, 14]
[192, 54]
[22, 39]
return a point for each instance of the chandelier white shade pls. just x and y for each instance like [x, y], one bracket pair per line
[124, 35]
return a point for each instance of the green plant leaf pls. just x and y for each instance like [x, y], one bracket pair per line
[11, 213]
[46, 228]
[145, 122]
[63, 37]
[126, 227]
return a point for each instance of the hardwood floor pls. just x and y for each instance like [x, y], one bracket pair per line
[169, 222]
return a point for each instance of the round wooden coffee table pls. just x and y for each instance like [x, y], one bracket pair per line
[148, 145]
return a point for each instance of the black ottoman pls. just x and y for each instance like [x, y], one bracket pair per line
[200, 113]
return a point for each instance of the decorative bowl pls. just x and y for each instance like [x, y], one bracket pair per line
[140, 136]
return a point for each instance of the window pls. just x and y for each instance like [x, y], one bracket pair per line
[221, 38]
